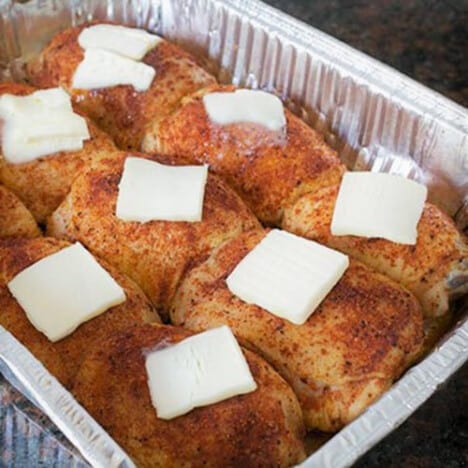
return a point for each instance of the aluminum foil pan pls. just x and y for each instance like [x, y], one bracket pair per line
[30, 376]
[377, 119]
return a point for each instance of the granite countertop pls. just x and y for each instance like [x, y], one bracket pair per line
[427, 40]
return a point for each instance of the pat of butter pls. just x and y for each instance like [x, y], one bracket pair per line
[52, 99]
[287, 275]
[198, 371]
[102, 69]
[128, 42]
[245, 105]
[371, 204]
[65, 289]
[152, 191]
[40, 124]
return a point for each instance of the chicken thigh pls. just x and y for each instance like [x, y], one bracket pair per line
[156, 253]
[42, 184]
[261, 428]
[120, 110]
[363, 335]
[15, 219]
[435, 270]
[63, 358]
[268, 169]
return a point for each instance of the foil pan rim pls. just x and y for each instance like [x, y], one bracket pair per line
[406, 395]
[314, 39]
[93, 442]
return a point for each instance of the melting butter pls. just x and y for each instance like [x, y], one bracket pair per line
[245, 105]
[151, 191]
[198, 371]
[372, 204]
[60, 292]
[287, 275]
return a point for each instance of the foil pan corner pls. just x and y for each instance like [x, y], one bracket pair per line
[33, 379]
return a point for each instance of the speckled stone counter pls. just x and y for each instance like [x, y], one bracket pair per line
[425, 39]
[428, 41]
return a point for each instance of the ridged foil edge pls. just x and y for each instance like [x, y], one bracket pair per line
[17, 416]
[96, 446]
[386, 414]
[375, 117]
[385, 79]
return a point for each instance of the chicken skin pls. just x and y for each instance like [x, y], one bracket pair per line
[43, 183]
[15, 219]
[63, 358]
[154, 254]
[261, 428]
[268, 169]
[435, 270]
[365, 333]
[120, 110]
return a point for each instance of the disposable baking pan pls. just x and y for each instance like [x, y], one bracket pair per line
[377, 119]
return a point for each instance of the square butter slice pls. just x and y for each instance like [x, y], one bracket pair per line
[245, 105]
[40, 124]
[373, 204]
[198, 371]
[287, 275]
[152, 191]
[63, 290]
[130, 42]
[103, 69]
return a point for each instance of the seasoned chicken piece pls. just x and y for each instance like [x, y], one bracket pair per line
[435, 270]
[268, 169]
[365, 333]
[261, 428]
[120, 110]
[15, 219]
[155, 254]
[43, 183]
[63, 357]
